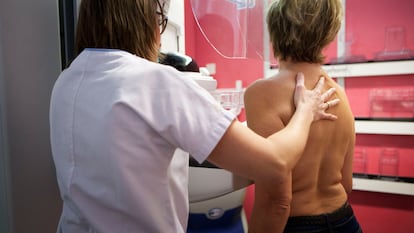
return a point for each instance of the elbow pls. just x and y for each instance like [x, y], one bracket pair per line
[276, 170]
[280, 171]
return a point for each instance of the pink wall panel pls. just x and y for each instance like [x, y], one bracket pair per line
[367, 23]
[383, 213]
[330, 52]
[358, 90]
[227, 40]
[375, 145]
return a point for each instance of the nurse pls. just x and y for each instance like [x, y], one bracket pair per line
[117, 116]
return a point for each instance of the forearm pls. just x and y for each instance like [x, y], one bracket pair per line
[272, 207]
[269, 221]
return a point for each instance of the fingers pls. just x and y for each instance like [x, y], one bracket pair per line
[328, 116]
[300, 80]
[300, 88]
[328, 94]
[320, 100]
[332, 103]
[328, 104]
[319, 86]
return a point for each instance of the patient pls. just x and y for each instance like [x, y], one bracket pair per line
[322, 178]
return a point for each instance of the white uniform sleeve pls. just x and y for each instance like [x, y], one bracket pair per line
[182, 112]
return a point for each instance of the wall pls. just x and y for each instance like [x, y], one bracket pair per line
[228, 69]
[173, 38]
[30, 63]
[383, 213]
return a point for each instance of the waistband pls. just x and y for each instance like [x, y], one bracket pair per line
[343, 212]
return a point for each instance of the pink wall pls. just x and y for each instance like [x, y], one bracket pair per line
[383, 213]
[368, 20]
[361, 91]
[227, 70]
[377, 212]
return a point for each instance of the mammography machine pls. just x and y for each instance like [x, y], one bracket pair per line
[216, 196]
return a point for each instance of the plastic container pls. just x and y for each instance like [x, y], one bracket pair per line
[360, 161]
[392, 103]
[389, 163]
[230, 99]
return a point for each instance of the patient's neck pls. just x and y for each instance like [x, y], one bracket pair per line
[299, 66]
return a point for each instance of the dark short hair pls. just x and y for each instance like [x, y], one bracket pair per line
[128, 25]
[300, 29]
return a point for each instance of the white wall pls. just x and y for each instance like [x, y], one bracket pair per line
[173, 38]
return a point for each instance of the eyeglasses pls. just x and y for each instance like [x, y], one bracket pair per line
[163, 19]
[162, 22]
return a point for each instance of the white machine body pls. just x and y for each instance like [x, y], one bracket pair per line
[216, 195]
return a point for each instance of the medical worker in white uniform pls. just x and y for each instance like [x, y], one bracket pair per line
[117, 116]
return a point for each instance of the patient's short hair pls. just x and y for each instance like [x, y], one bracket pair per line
[300, 29]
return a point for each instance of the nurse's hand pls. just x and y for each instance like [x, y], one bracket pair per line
[314, 101]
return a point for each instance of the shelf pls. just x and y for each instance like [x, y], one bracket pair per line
[383, 186]
[370, 69]
[384, 127]
[363, 69]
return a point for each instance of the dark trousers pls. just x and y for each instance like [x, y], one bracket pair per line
[341, 220]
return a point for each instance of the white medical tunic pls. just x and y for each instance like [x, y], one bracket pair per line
[116, 121]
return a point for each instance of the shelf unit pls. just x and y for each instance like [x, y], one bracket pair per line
[370, 69]
[389, 128]
[384, 127]
[383, 186]
[374, 69]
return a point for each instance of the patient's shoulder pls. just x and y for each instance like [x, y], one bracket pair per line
[272, 95]
[271, 85]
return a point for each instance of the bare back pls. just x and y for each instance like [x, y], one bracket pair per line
[323, 176]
